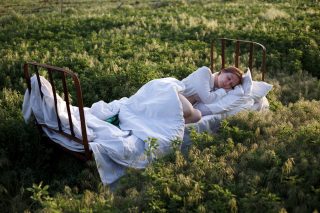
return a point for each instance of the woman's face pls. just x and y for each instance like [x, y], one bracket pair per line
[227, 80]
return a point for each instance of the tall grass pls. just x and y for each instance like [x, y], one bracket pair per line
[264, 162]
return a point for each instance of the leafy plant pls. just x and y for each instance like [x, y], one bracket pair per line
[257, 161]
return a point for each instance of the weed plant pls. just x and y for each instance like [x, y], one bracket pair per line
[257, 162]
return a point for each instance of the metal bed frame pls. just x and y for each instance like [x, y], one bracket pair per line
[64, 74]
[222, 42]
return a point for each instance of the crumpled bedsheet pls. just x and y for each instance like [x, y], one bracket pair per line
[154, 111]
[143, 116]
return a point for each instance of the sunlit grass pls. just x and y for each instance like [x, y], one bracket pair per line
[117, 46]
[274, 13]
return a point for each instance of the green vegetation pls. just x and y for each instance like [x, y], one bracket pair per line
[258, 162]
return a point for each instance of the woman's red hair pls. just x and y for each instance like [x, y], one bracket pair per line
[233, 70]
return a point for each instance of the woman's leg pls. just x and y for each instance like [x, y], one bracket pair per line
[190, 114]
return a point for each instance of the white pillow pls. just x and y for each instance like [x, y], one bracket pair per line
[238, 90]
[247, 82]
[260, 89]
[261, 105]
[246, 104]
[232, 99]
[226, 103]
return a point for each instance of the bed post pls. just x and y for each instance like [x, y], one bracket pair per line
[82, 118]
[211, 55]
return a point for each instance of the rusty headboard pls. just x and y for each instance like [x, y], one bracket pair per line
[238, 48]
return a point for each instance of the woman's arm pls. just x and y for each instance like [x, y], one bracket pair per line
[207, 97]
[190, 114]
[203, 87]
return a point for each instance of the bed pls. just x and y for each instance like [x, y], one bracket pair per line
[90, 132]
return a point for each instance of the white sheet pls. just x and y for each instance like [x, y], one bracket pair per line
[154, 111]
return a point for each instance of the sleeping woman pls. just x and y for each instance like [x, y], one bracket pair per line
[204, 87]
[159, 109]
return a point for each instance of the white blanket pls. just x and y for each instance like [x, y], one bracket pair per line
[155, 111]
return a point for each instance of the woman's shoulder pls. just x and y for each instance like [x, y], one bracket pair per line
[200, 73]
[204, 71]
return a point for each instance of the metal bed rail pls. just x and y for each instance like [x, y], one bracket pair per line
[63, 75]
[237, 43]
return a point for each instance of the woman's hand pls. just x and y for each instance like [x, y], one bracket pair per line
[192, 99]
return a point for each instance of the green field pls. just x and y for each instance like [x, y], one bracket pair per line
[258, 162]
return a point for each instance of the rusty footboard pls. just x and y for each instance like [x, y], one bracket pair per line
[66, 81]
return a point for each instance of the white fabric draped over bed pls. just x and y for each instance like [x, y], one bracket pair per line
[155, 111]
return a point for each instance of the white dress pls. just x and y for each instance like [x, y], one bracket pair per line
[200, 84]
